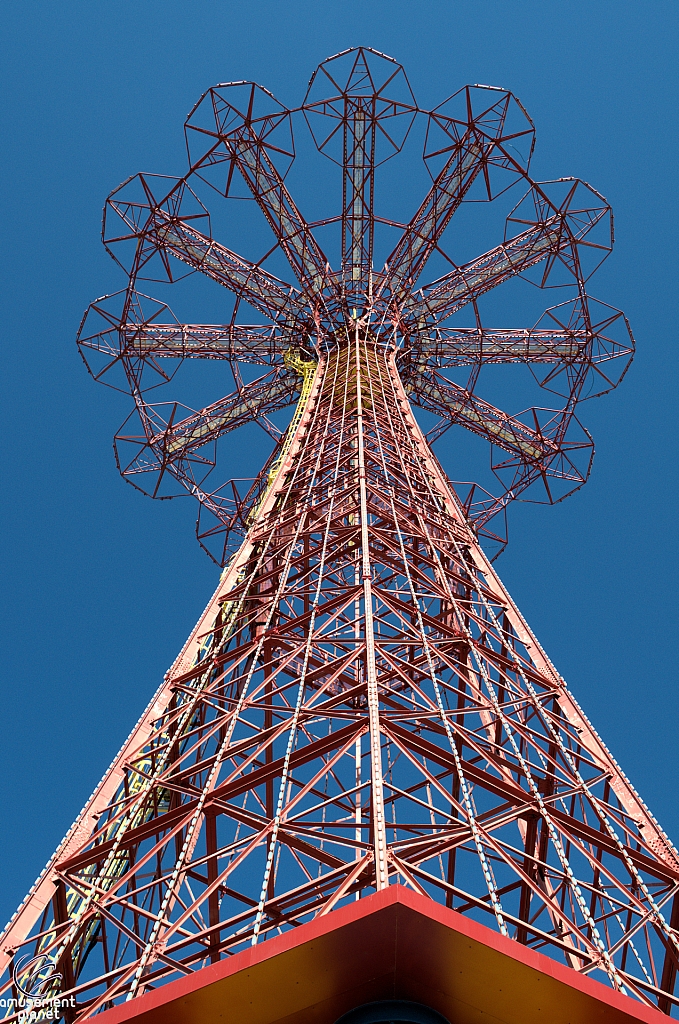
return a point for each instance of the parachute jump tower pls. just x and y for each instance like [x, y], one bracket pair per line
[362, 779]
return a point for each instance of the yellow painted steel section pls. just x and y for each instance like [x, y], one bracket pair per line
[306, 369]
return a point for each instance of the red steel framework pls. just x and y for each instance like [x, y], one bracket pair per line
[361, 703]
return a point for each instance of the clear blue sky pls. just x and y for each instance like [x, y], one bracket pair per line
[100, 585]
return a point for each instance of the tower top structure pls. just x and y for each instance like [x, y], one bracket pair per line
[396, 281]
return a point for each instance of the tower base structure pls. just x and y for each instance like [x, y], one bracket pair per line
[395, 944]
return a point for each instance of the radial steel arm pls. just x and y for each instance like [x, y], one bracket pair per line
[229, 413]
[419, 239]
[268, 189]
[164, 450]
[248, 344]
[444, 297]
[451, 401]
[448, 347]
[266, 293]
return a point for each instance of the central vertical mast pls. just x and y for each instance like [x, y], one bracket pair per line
[378, 820]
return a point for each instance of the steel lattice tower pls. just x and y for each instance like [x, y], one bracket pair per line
[361, 704]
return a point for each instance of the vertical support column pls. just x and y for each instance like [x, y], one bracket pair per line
[213, 898]
[531, 834]
[669, 971]
[268, 655]
[268, 754]
[358, 834]
[378, 823]
[65, 963]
